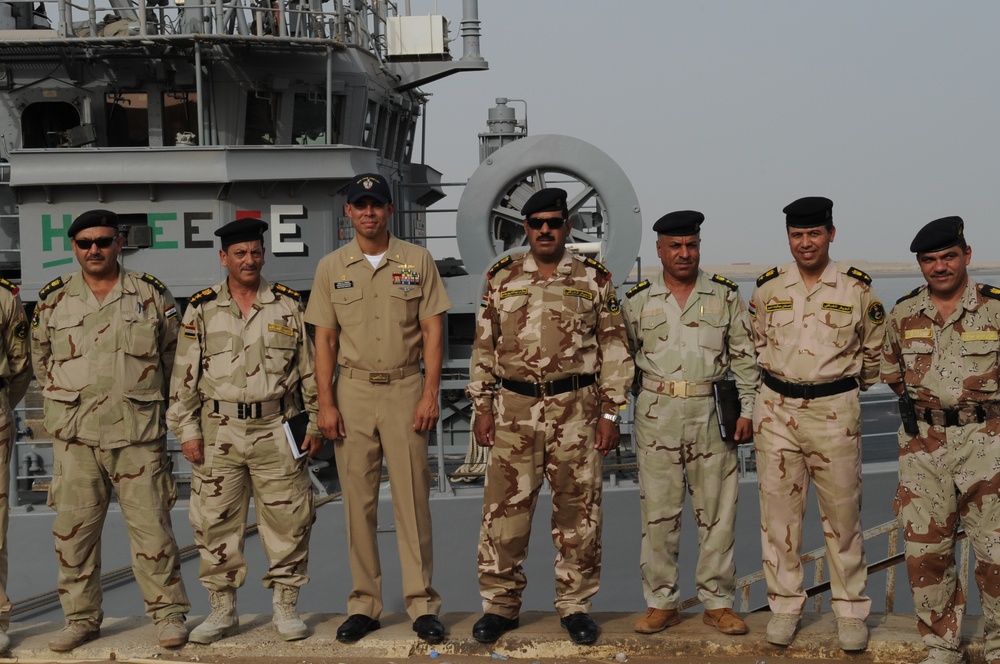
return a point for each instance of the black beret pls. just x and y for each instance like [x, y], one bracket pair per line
[809, 212]
[682, 222]
[92, 219]
[242, 230]
[552, 199]
[369, 184]
[938, 235]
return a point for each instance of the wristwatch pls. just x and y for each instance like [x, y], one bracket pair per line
[612, 417]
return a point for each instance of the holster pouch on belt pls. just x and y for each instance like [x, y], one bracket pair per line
[908, 413]
[727, 407]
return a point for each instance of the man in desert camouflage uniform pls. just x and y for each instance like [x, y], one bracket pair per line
[244, 365]
[551, 337]
[947, 336]
[15, 374]
[103, 343]
[818, 328]
[686, 330]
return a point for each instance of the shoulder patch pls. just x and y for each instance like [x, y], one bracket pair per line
[719, 279]
[912, 293]
[50, 287]
[204, 295]
[282, 289]
[9, 286]
[590, 262]
[990, 291]
[876, 313]
[150, 279]
[767, 276]
[501, 264]
[638, 288]
[859, 275]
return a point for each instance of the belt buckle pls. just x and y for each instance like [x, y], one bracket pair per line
[379, 378]
[952, 418]
[678, 388]
[242, 410]
[808, 392]
[543, 390]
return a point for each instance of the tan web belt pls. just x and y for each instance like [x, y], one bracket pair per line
[678, 388]
[956, 417]
[380, 377]
[248, 411]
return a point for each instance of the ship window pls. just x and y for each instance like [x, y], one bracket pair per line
[180, 117]
[382, 128]
[407, 147]
[309, 119]
[45, 123]
[392, 128]
[371, 122]
[128, 119]
[261, 120]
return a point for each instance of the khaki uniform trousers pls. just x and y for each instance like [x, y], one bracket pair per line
[7, 436]
[550, 438]
[680, 446]
[378, 420]
[796, 441]
[950, 477]
[82, 479]
[240, 455]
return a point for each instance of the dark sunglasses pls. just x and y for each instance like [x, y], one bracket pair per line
[101, 242]
[536, 224]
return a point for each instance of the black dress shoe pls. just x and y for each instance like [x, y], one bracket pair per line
[581, 627]
[355, 627]
[489, 628]
[429, 628]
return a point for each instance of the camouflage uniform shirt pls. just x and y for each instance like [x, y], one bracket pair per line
[535, 330]
[222, 356]
[104, 367]
[15, 352]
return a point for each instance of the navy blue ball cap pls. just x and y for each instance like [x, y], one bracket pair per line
[938, 235]
[93, 219]
[369, 184]
[809, 212]
[242, 230]
[550, 199]
[680, 223]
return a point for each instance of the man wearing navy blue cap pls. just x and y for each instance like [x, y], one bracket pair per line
[378, 305]
[942, 347]
[818, 329]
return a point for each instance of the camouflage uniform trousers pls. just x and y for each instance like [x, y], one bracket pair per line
[379, 423]
[796, 441]
[679, 445]
[82, 479]
[240, 455]
[946, 476]
[7, 434]
[551, 438]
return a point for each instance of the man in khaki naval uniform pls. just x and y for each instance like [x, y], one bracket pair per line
[946, 335]
[244, 366]
[378, 305]
[103, 343]
[687, 330]
[818, 328]
[15, 374]
[551, 337]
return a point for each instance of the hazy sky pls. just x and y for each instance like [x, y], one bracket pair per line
[891, 109]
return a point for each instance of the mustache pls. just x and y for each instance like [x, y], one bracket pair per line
[546, 236]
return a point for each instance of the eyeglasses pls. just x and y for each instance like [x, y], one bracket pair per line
[536, 224]
[101, 242]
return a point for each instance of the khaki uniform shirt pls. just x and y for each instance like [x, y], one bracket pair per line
[833, 330]
[104, 368]
[224, 357]
[377, 313]
[949, 363]
[699, 343]
[536, 330]
[15, 352]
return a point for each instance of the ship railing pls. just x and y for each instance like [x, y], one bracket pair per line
[346, 22]
[817, 557]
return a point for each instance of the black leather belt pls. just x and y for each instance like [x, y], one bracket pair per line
[809, 390]
[956, 417]
[551, 388]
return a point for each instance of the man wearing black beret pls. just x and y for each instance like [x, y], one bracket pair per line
[551, 334]
[687, 329]
[818, 328]
[244, 367]
[942, 347]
